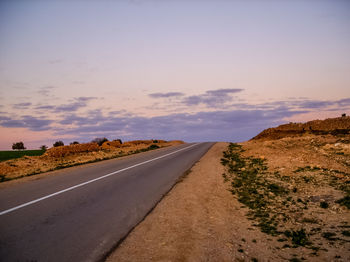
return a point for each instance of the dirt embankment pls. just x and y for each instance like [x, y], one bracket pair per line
[333, 126]
[73, 155]
[283, 200]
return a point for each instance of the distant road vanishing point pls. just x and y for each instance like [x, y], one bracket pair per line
[82, 213]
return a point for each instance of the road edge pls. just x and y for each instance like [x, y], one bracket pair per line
[177, 181]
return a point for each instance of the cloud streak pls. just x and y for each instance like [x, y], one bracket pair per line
[212, 98]
[22, 105]
[234, 122]
[201, 126]
[76, 104]
[30, 122]
[166, 95]
[46, 91]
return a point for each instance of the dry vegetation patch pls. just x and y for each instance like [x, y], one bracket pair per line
[297, 190]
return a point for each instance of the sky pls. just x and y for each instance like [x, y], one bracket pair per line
[189, 70]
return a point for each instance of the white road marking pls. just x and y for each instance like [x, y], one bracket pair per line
[90, 181]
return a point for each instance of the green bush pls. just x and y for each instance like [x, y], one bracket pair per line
[151, 147]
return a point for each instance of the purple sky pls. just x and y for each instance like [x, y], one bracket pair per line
[191, 70]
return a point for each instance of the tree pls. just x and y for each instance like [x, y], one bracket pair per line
[18, 146]
[43, 147]
[58, 143]
[99, 140]
[74, 143]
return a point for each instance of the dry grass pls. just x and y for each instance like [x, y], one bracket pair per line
[62, 151]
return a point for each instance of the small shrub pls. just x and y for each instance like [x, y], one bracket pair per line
[99, 140]
[74, 143]
[267, 227]
[43, 147]
[345, 201]
[324, 204]
[151, 147]
[281, 240]
[58, 143]
[276, 189]
[3, 178]
[307, 179]
[346, 233]
[329, 236]
[299, 238]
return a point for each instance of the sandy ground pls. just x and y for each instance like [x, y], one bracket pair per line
[201, 220]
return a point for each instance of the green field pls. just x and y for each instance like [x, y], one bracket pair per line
[6, 155]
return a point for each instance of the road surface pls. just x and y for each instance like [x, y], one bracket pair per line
[82, 213]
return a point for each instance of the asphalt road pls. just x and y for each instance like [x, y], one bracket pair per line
[82, 213]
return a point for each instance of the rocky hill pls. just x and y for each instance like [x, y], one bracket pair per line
[334, 126]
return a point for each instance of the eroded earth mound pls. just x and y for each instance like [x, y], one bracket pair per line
[333, 126]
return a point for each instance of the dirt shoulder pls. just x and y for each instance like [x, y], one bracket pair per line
[201, 220]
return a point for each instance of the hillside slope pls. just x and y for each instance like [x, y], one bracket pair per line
[333, 126]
